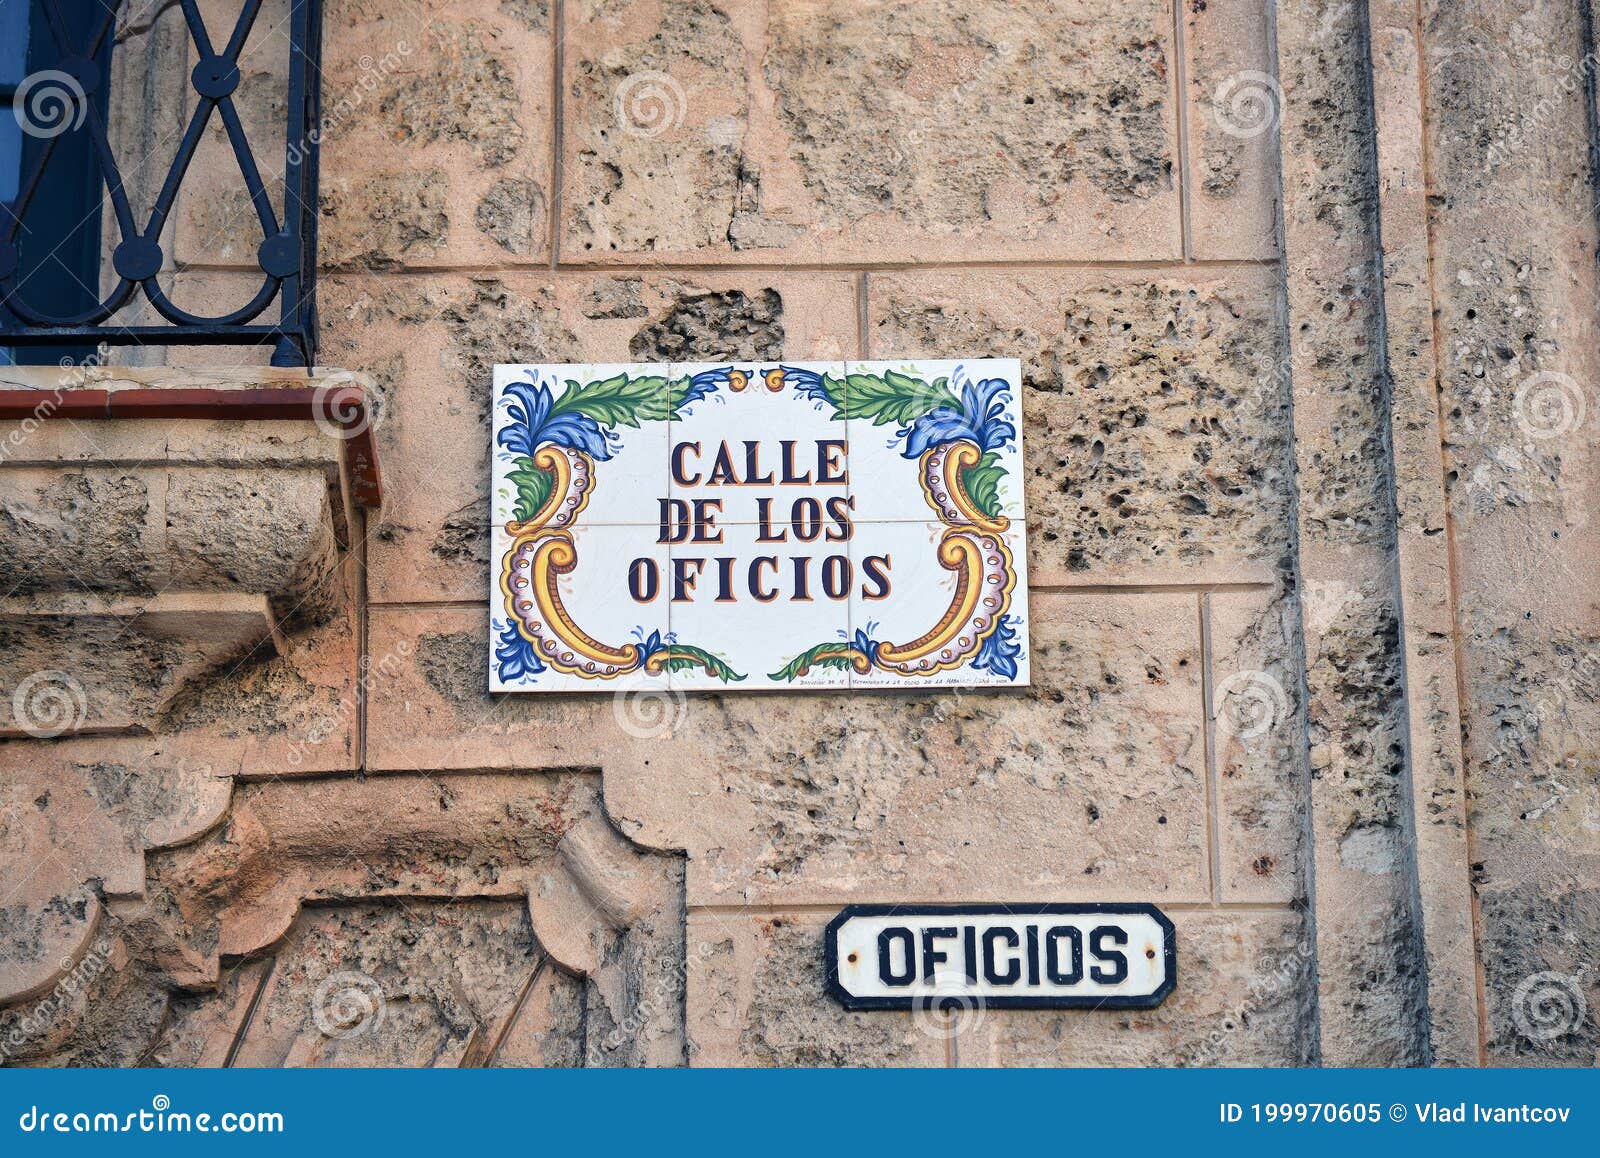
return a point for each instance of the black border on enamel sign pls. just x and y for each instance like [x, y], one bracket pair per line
[830, 952]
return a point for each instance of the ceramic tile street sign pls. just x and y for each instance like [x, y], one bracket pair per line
[758, 526]
[1090, 956]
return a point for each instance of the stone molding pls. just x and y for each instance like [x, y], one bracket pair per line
[184, 515]
[234, 892]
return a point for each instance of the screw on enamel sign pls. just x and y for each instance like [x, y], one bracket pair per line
[1088, 956]
[745, 526]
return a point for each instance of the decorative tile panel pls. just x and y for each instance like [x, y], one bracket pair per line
[758, 526]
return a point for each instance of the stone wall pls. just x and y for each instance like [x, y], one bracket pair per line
[1304, 297]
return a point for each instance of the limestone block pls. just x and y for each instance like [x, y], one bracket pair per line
[1240, 1001]
[288, 706]
[437, 149]
[251, 708]
[1256, 736]
[1371, 975]
[65, 680]
[1089, 783]
[1235, 106]
[756, 998]
[290, 713]
[884, 131]
[68, 820]
[1432, 677]
[141, 529]
[427, 982]
[1155, 412]
[437, 686]
[96, 529]
[1514, 297]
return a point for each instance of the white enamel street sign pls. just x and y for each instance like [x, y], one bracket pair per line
[1093, 956]
[747, 526]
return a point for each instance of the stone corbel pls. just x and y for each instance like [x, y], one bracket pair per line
[156, 522]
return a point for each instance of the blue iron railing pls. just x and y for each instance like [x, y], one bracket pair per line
[287, 251]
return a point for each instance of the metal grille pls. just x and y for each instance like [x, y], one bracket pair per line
[287, 249]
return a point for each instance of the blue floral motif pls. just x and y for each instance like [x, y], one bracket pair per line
[532, 425]
[515, 654]
[863, 642]
[808, 383]
[980, 420]
[705, 384]
[1000, 651]
[652, 643]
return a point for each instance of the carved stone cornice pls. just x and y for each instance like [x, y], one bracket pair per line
[155, 523]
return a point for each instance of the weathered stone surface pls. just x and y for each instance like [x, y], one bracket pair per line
[64, 681]
[728, 324]
[869, 131]
[1515, 294]
[1256, 731]
[1369, 938]
[1241, 1000]
[444, 689]
[103, 1012]
[1234, 106]
[391, 220]
[418, 983]
[203, 1029]
[741, 964]
[197, 544]
[45, 933]
[1094, 780]
[425, 982]
[140, 529]
[755, 997]
[76, 833]
[288, 713]
[1539, 976]
[1155, 418]
[56, 521]
[1431, 673]
[214, 221]
[541, 1033]
[435, 342]
[513, 212]
[382, 969]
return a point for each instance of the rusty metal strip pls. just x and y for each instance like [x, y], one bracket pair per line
[344, 407]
